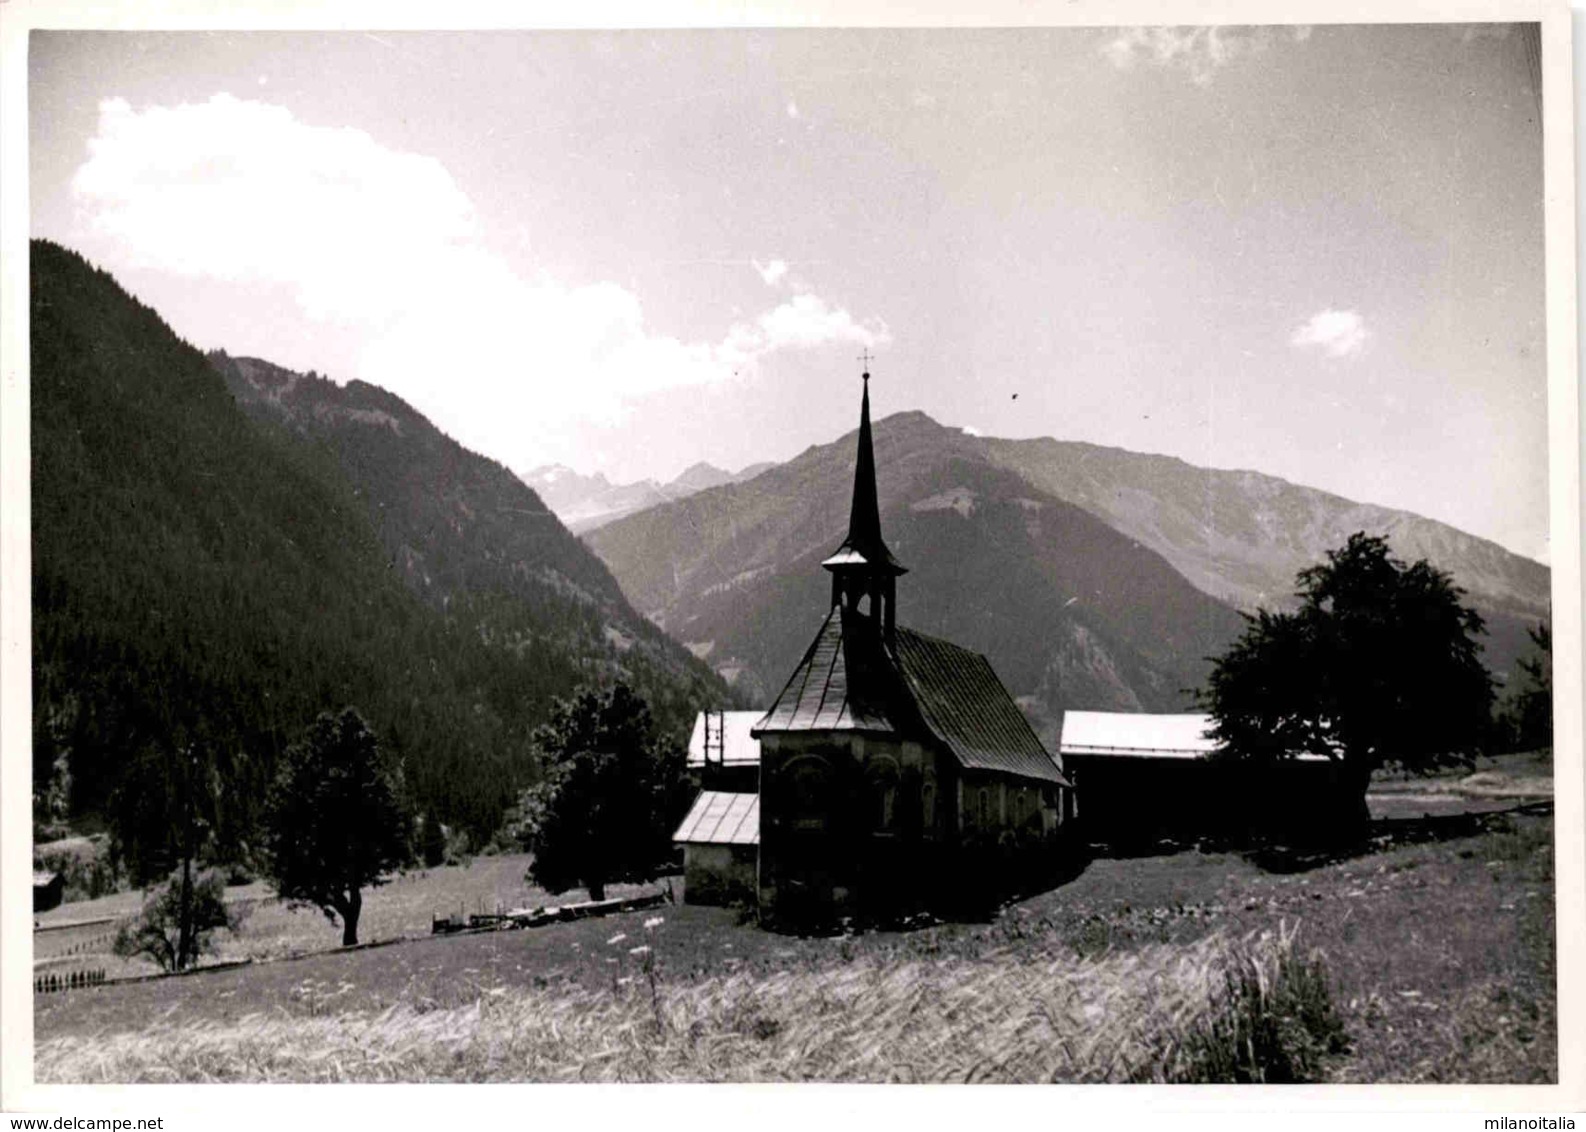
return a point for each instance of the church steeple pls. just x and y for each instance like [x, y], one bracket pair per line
[863, 568]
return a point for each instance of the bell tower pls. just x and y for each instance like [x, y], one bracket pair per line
[864, 573]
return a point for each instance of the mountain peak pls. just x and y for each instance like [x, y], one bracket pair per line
[700, 476]
[910, 420]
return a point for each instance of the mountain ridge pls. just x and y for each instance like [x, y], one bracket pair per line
[711, 567]
[213, 576]
[587, 502]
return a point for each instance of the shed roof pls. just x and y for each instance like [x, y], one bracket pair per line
[739, 747]
[43, 879]
[719, 817]
[1134, 733]
[925, 687]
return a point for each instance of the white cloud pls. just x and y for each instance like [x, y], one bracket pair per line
[772, 272]
[792, 109]
[971, 430]
[1199, 51]
[1339, 333]
[388, 244]
[807, 320]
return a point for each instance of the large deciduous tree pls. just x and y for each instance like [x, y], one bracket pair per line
[610, 795]
[1379, 665]
[337, 820]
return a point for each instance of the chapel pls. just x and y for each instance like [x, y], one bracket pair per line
[896, 773]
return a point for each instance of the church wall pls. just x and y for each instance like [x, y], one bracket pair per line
[849, 822]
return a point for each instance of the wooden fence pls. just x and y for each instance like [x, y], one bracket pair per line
[537, 917]
[68, 981]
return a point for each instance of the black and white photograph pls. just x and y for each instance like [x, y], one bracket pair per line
[798, 552]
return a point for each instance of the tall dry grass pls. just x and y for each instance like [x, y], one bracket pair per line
[1253, 1009]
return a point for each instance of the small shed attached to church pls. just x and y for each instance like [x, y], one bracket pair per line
[720, 837]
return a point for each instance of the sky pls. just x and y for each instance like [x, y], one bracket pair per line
[1316, 252]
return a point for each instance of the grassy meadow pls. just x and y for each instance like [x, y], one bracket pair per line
[1430, 961]
[270, 929]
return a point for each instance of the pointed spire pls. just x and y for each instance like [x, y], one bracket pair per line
[864, 545]
[864, 516]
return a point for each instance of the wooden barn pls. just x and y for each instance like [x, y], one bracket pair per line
[896, 773]
[1152, 778]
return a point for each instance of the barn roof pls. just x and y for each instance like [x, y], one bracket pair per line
[721, 818]
[739, 747]
[1133, 733]
[925, 687]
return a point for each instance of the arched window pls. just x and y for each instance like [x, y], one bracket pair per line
[928, 805]
[810, 802]
[884, 797]
[985, 807]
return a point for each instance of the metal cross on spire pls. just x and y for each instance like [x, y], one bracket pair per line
[865, 359]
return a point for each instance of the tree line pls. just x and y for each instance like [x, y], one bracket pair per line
[339, 819]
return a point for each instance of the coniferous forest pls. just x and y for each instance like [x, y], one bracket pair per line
[213, 574]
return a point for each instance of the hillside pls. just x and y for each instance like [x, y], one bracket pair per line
[1091, 577]
[200, 576]
[1241, 536]
[1068, 610]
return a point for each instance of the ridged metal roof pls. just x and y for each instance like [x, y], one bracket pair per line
[967, 708]
[1132, 733]
[721, 818]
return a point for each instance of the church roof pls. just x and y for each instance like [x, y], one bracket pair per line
[967, 708]
[924, 688]
[845, 682]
